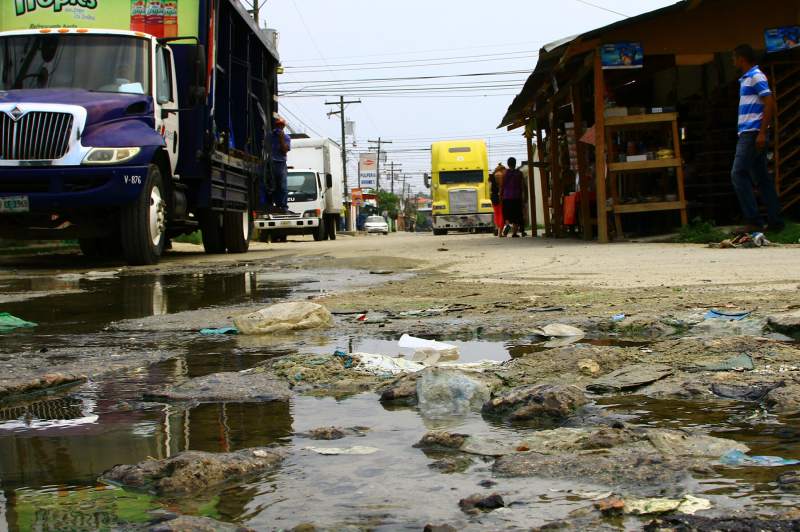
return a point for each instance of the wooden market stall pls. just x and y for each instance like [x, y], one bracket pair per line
[649, 144]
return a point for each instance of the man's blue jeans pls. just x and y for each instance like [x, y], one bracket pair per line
[749, 169]
[280, 193]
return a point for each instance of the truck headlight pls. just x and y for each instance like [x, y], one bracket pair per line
[110, 155]
[312, 214]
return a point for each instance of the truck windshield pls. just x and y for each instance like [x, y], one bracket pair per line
[461, 177]
[302, 186]
[100, 63]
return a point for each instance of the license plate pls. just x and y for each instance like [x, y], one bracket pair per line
[15, 204]
[285, 223]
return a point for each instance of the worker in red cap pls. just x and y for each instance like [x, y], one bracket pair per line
[281, 146]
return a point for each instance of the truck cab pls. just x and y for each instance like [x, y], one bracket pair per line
[460, 187]
[122, 139]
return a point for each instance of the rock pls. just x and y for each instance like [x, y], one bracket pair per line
[691, 523]
[785, 400]
[630, 378]
[334, 433]
[433, 441]
[283, 318]
[671, 443]
[559, 330]
[196, 524]
[790, 481]
[487, 484]
[482, 503]
[443, 393]
[193, 471]
[402, 390]
[748, 392]
[720, 328]
[452, 464]
[589, 367]
[307, 373]
[610, 506]
[440, 528]
[305, 527]
[539, 402]
[241, 387]
[787, 323]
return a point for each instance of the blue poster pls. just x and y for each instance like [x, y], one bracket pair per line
[782, 39]
[622, 55]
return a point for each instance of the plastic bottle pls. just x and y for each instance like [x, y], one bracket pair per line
[138, 20]
[155, 18]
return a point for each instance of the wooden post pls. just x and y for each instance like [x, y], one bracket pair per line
[531, 181]
[583, 162]
[600, 148]
[679, 173]
[545, 182]
[555, 169]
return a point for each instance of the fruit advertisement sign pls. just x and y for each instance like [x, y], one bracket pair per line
[161, 18]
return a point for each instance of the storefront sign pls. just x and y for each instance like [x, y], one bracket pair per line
[622, 55]
[782, 39]
[161, 18]
[358, 197]
[368, 170]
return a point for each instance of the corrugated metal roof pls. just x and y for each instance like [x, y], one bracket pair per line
[551, 54]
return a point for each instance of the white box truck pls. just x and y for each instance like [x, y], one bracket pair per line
[316, 194]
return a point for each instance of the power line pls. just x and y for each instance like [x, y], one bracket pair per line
[412, 78]
[603, 8]
[525, 53]
[312, 71]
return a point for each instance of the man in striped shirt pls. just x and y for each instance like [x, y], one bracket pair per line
[756, 111]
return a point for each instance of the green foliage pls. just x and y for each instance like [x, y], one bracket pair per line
[388, 202]
[194, 238]
[700, 231]
[790, 235]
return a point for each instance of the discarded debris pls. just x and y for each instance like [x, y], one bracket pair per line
[481, 502]
[714, 314]
[688, 505]
[630, 378]
[559, 330]
[444, 393]
[224, 331]
[10, 323]
[618, 318]
[284, 317]
[428, 352]
[538, 310]
[738, 458]
[337, 451]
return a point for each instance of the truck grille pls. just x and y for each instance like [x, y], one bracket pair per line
[463, 201]
[36, 136]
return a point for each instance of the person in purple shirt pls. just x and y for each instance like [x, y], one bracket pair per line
[513, 197]
[281, 146]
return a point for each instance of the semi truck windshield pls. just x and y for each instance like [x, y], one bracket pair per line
[100, 63]
[461, 177]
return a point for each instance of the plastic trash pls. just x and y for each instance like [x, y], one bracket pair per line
[714, 314]
[336, 451]
[381, 365]
[224, 331]
[618, 318]
[283, 318]
[738, 458]
[688, 505]
[559, 330]
[9, 323]
[445, 393]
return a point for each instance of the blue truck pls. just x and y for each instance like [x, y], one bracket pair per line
[123, 130]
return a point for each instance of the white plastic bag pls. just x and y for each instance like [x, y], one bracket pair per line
[284, 317]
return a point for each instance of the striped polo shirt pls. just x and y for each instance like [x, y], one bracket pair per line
[754, 87]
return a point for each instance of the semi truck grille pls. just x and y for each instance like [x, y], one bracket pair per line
[36, 136]
[463, 201]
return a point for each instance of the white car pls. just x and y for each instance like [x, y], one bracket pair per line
[376, 224]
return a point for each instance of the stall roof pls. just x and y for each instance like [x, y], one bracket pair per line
[551, 54]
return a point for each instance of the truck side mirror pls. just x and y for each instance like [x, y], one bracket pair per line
[427, 179]
[328, 181]
[197, 90]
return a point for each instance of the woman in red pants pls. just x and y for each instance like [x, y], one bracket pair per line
[496, 182]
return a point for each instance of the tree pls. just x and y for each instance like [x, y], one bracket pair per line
[389, 203]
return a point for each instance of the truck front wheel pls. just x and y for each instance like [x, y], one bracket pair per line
[333, 222]
[238, 226]
[321, 231]
[143, 224]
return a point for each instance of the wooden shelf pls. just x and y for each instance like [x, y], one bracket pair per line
[637, 120]
[644, 165]
[627, 208]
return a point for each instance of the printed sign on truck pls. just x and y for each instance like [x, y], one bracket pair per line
[161, 18]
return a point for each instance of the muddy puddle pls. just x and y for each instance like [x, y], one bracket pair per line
[54, 447]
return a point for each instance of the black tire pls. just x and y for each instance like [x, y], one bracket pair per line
[322, 231]
[333, 223]
[141, 244]
[109, 247]
[440, 232]
[237, 228]
[211, 229]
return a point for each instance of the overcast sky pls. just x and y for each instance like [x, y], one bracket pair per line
[330, 44]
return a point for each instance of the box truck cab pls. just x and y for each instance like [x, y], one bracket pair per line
[316, 194]
[123, 138]
[460, 187]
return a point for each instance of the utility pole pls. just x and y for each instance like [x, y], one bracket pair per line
[341, 103]
[256, 11]
[380, 142]
[394, 166]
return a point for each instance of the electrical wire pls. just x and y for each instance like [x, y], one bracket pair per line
[413, 78]
[359, 69]
[524, 53]
[603, 8]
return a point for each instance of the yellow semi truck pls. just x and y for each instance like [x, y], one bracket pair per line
[460, 187]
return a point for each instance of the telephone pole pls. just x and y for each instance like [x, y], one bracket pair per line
[256, 11]
[341, 103]
[394, 166]
[380, 142]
